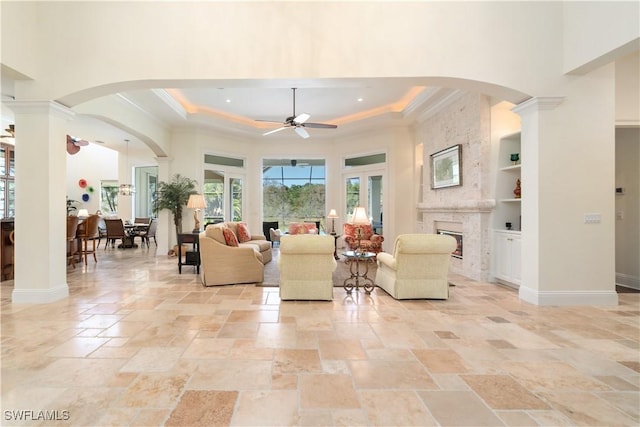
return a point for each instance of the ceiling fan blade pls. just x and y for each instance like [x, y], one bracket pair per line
[302, 132]
[274, 131]
[302, 118]
[320, 125]
[267, 121]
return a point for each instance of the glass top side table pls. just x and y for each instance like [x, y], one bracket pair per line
[358, 276]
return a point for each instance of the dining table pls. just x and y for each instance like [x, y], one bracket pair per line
[132, 230]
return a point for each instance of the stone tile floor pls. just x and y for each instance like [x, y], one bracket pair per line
[136, 344]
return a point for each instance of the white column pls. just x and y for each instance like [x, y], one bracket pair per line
[166, 229]
[40, 223]
[568, 161]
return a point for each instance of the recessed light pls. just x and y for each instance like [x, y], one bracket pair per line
[360, 99]
[228, 101]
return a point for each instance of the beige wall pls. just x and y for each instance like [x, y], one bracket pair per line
[127, 45]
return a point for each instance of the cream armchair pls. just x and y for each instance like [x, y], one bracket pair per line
[306, 266]
[418, 267]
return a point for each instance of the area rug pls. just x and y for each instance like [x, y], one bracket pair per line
[272, 275]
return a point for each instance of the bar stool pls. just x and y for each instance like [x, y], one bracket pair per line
[88, 230]
[13, 251]
[72, 228]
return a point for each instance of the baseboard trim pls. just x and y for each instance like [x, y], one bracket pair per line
[596, 298]
[628, 281]
[39, 296]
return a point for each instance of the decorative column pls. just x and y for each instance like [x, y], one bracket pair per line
[568, 233]
[166, 229]
[40, 223]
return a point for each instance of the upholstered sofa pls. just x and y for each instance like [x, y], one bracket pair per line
[370, 242]
[306, 266]
[418, 267]
[230, 254]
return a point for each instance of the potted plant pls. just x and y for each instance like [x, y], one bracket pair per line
[174, 196]
[71, 205]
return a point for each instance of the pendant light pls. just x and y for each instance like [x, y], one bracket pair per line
[127, 189]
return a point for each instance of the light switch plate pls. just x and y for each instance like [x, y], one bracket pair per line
[592, 218]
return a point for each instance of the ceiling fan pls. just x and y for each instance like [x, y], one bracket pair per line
[298, 122]
[74, 144]
[11, 130]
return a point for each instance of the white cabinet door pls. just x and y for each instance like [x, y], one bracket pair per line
[507, 259]
[502, 256]
[516, 260]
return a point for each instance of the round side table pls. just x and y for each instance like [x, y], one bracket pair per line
[358, 278]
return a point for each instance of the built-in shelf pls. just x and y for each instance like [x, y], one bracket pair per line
[507, 243]
[511, 168]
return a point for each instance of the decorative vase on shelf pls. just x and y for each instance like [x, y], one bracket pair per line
[515, 157]
[517, 192]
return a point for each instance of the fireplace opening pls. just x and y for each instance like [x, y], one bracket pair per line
[457, 253]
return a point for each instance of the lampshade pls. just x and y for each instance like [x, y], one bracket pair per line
[196, 201]
[332, 214]
[360, 216]
[83, 213]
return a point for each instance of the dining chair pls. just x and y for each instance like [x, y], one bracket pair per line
[12, 239]
[88, 231]
[72, 247]
[149, 232]
[140, 220]
[102, 230]
[115, 230]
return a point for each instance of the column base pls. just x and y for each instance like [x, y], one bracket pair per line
[39, 296]
[597, 298]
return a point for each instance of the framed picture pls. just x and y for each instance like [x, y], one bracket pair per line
[446, 167]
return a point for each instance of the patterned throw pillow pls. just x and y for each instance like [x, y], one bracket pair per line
[229, 237]
[243, 232]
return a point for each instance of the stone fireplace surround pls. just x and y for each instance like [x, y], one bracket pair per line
[472, 219]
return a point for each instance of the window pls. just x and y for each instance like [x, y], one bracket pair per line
[236, 199]
[7, 181]
[353, 194]
[109, 197]
[372, 159]
[363, 178]
[222, 189]
[214, 196]
[293, 190]
[146, 181]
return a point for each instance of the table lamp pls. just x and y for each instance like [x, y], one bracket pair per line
[360, 218]
[333, 215]
[197, 202]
